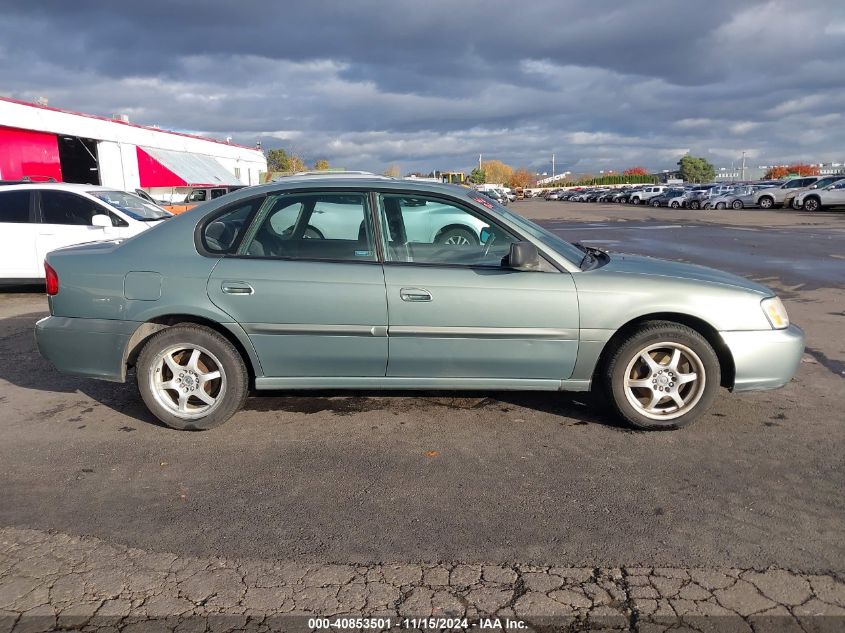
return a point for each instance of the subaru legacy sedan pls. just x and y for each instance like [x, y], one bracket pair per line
[364, 282]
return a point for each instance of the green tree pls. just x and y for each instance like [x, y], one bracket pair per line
[477, 176]
[497, 171]
[696, 169]
[321, 165]
[280, 160]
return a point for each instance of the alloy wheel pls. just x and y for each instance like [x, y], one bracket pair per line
[665, 380]
[187, 380]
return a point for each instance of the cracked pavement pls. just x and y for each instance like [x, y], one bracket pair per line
[55, 581]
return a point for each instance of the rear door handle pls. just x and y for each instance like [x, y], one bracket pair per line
[237, 288]
[415, 294]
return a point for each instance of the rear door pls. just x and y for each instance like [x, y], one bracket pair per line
[307, 287]
[66, 219]
[18, 229]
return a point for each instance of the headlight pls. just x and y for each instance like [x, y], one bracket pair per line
[775, 312]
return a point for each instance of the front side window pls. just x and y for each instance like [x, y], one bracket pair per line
[314, 226]
[63, 207]
[424, 230]
[14, 207]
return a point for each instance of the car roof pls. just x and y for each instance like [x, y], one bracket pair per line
[59, 186]
[338, 181]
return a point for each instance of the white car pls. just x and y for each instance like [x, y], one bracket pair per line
[647, 193]
[38, 218]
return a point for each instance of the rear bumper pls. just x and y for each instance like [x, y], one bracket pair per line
[93, 348]
[765, 359]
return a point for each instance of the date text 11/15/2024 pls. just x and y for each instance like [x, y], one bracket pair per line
[435, 623]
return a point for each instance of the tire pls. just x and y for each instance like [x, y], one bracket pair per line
[635, 200]
[198, 350]
[456, 236]
[656, 203]
[642, 406]
[695, 204]
[720, 205]
[675, 205]
[736, 204]
[766, 202]
[812, 204]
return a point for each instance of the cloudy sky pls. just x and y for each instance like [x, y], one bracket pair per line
[430, 84]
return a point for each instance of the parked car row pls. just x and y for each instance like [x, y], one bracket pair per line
[811, 193]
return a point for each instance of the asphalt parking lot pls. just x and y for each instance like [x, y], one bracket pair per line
[532, 479]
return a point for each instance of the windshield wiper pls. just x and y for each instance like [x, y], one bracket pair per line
[591, 255]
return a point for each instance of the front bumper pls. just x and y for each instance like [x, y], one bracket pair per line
[85, 347]
[765, 359]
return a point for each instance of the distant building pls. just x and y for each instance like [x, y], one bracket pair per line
[43, 142]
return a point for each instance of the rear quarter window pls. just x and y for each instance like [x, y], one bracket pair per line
[222, 233]
[14, 207]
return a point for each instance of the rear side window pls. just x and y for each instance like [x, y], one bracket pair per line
[14, 207]
[224, 232]
[315, 226]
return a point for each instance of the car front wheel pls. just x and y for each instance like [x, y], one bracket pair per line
[661, 376]
[766, 202]
[736, 204]
[811, 204]
[695, 204]
[191, 377]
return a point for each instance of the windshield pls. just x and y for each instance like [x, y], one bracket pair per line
[558, 244]
[132, 205]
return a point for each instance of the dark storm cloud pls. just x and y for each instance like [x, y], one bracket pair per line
[430, 84]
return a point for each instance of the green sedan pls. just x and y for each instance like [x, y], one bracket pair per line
[362, 282]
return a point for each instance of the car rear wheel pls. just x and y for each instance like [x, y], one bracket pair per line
[675, 204]
[695, 204]
[457, 236]
[661, 376]
[766, 202]
[736, 204]
[191, 377]
[811, 204]
[720, 205]
[655, 203]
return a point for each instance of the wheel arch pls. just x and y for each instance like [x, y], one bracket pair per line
[711, 335]
[232, 332]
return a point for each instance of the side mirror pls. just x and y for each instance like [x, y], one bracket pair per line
[485, 234]
[523, 256]
[101, 220]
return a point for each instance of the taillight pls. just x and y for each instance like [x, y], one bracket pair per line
[52, 280]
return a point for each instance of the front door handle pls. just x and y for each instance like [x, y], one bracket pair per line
[237, 288]
[415, 294]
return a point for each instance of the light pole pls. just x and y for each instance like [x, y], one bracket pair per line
[743, 166]
[553, 166]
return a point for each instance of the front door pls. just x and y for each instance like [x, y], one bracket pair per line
[66, 219]
[307, 286]
[455, 312]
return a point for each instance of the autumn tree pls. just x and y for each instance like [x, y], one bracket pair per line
[321, 164]
[800, 169]
[280, 160]
[496, 171]
[696, 169]
[392, 171]
[635, 171]
[522, 178]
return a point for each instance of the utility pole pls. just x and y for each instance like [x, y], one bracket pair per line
[743, 166]
[553, 167]
[479, 162]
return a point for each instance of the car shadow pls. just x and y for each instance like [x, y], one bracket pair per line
[22, 365]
